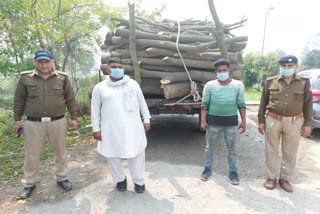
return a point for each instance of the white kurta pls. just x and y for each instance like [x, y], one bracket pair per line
[116, 111]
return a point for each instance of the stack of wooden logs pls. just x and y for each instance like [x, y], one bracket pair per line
[162, 71]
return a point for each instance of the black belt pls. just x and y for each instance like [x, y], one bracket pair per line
[44, 119]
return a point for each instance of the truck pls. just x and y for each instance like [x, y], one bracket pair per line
[174, 59]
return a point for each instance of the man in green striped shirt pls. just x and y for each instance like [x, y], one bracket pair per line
[221, 100]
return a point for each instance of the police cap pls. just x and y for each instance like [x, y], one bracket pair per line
[288, 59]
[42, 54]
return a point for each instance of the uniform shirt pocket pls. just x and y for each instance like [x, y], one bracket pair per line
[33, 90]
[275, 93]
[56, 90]
[298, 95]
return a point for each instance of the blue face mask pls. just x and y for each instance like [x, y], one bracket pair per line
[286, 72]
[117, 73]
[223, 76]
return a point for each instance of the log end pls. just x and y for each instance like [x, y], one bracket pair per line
[165, 81]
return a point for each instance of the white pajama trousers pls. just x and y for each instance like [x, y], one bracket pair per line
[136, 167]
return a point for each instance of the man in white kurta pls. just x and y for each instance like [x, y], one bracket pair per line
[120, 118]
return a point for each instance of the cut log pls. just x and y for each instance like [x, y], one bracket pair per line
[172, 46]
[173, 37]
[141, 35]
[163, 68]
[193, 63]
[237, 46]
[199, 76]
[193, 32]
[160, 26]
[237, 74]
[151, 86]
[105, 58]
[187, 48]
[178, 90]
[133, 49]
[116, 40]
[170, 61]
[158, 57]
[108, 38]
[218, 32]
[170, 77]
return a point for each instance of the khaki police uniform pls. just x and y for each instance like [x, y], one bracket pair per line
[43, 103]
[284, 109]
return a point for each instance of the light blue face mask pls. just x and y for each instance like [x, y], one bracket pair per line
[223, 76]
[286, 72]
[117, 73]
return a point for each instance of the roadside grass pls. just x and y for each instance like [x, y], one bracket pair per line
[252, 94]
[12, 148]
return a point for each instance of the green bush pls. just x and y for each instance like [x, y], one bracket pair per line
[252, 95]
[11, 147]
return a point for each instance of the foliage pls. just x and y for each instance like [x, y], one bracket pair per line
[312, 44]
[257, 67]
[11, 147]
[83, 100]
[7, 87]
[56, 25]
[311, 60]
[252, 95]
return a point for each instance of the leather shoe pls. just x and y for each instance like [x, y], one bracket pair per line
[139, 188]
[122, 186]
[285, 185]
[65, 184]
[26, 192]
[270, 184]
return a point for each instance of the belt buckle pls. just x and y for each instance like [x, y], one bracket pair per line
[45, 119]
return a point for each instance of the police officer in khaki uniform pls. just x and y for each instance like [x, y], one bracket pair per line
[285, 113]
[42, 95]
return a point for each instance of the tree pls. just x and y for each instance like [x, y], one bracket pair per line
[312, 44]
[257, 67]
[55, 25]
[311, 60]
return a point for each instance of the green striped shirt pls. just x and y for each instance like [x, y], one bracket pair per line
[223, 100]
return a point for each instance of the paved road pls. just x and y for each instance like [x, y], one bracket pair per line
[174, 163]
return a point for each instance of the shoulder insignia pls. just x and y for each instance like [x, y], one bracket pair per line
[60, 72]
[271, 78]
[26, 72]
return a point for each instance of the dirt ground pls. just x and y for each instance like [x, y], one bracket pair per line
[173, 164]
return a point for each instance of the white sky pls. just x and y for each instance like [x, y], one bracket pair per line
[289, 25]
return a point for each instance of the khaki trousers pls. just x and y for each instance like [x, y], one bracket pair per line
[287, 133]
[36, 134]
